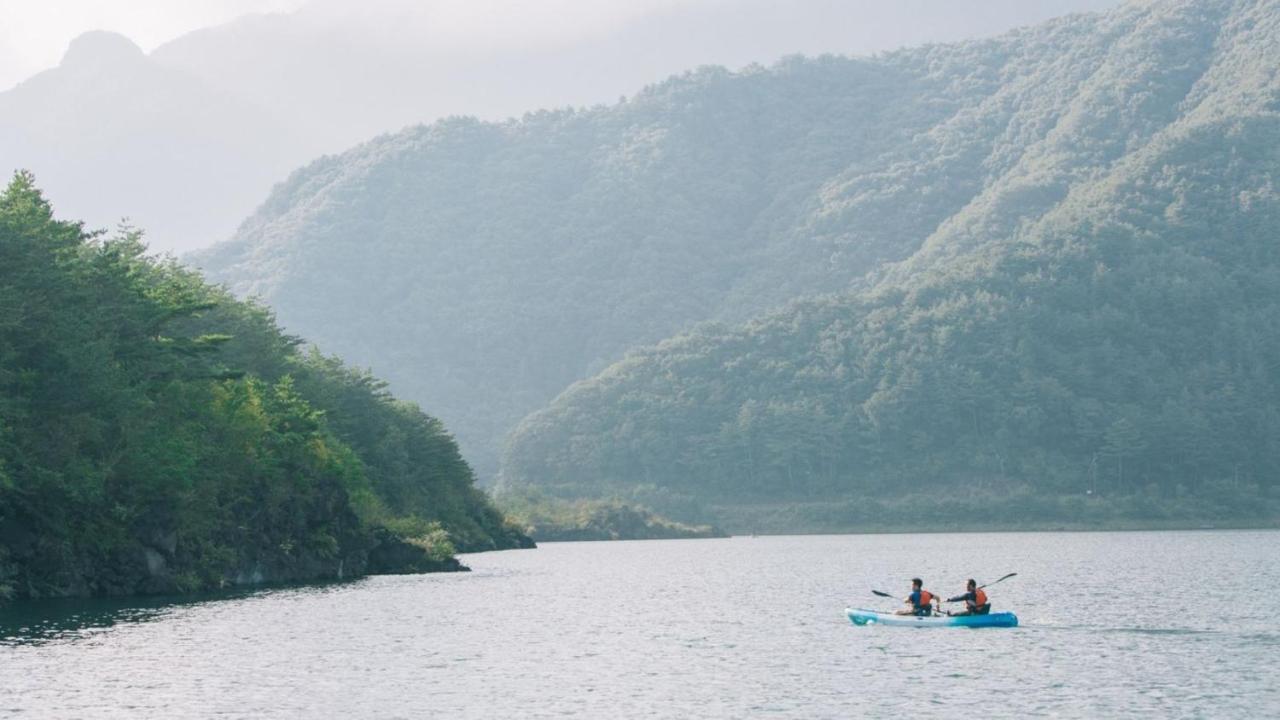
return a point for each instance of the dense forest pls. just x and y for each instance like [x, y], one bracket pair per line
[157, 435]
[483, 267]
[1036, 267]
[1095, 338]
[187, 138]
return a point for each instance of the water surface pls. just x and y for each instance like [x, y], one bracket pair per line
[1170, 624]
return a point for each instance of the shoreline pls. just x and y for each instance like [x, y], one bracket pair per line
[1001, 531]
[1155, 526]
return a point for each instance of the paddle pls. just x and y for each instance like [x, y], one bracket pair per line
[1006, 577]
[885, 594]
[993, 582]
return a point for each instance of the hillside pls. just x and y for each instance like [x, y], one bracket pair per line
[482, 268]
[403, 64]
[1091, 338]
[187, 139]
[158, 436]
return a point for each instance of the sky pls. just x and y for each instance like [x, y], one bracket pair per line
[35, 33]
[335, 73]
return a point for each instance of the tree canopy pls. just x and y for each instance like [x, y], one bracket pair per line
[1033, 266]
[1100, 323]
[157, 435]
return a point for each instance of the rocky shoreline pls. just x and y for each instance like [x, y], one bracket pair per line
[163, 567]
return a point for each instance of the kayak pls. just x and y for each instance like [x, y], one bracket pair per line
[871, 617]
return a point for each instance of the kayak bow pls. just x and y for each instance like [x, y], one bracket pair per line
[871, 617]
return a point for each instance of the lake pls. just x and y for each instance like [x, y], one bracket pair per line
[1163, 624]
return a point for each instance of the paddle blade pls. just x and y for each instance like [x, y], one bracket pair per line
[1006, 577]
[881, 594]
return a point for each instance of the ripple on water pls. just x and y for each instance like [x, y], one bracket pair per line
[672, 629]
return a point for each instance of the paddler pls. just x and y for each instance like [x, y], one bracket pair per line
[975, 600]
[920, 600]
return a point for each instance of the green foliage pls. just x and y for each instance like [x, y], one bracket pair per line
[485, 267]
[963, 509]
[1042, 261]
[157, 435]
[434, 539]
[546, 518]
[482, 268]
[1099, 324]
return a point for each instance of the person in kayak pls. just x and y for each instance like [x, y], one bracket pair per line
[975, 600]
[920, 600]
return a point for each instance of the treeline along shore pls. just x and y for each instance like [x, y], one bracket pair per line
[159, 436]
[1024, 279]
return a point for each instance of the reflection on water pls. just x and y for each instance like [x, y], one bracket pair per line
[33, 623]
[71, 619]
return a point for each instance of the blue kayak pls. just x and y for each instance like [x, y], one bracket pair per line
[871, 617]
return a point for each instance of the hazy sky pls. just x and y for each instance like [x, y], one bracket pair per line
[34, 33]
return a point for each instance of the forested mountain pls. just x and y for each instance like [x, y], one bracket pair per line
[157, 435]
[1090, 330]
[484, 267]
[187, 139]
[402, 64]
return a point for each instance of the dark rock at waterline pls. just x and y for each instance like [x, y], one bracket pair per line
[328, 544]
[158, 563]
[392, 555]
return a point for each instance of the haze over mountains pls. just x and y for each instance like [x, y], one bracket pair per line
[188, 139]
[112, 133]
[1099, 319]
[1046, 264]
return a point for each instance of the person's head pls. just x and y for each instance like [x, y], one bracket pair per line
[972, 585]
[916, 583]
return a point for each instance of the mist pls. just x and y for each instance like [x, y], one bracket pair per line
[747, 351]
[224, 112]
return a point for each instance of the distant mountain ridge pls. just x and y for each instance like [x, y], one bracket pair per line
[115, 134]
[188, 139]
[513, 259]
[482, 268]
[1092, 340]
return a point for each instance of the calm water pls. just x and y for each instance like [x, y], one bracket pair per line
[1114, 624]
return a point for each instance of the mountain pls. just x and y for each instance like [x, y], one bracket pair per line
[1090, 336]
[483, 267]
[158, 436]
[115, 134]
[348, 73]
[188, 139]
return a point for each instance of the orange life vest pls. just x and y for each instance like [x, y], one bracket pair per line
[979, 597]
[926, 597]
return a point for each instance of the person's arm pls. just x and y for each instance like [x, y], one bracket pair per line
[966, 596]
